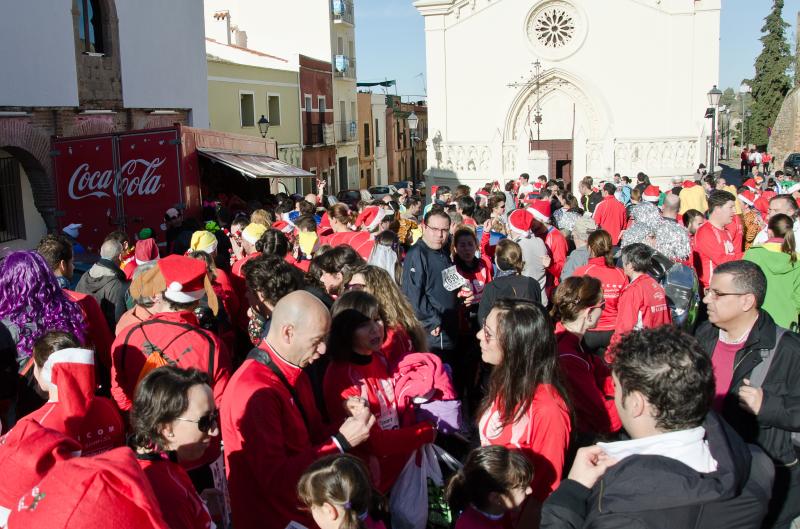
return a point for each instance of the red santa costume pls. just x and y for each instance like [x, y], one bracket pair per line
[272, 432]
[73, 409]
[541, 433]
[389, 446]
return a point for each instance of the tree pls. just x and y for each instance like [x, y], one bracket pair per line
[771, 82]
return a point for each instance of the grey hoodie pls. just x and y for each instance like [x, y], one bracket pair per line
[105, 282]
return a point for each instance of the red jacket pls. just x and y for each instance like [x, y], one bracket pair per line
[239, 284]
[611, 215]
[78, 413]
[590, 385]
[360, 241]
[613, 280]
[389, 446]
[268, 445]
[713, 247]
[541, 434]
[557, 248]
[180, 504]
[97, 332]
[642, 305]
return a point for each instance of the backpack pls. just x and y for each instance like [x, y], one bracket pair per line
[759, 373]
[681, 287]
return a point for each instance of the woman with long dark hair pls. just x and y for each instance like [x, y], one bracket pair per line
[613, 280]
[173, 419]
[577, 305]
[358, 374]
[525, 406]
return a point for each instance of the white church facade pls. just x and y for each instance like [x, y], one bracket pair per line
[568, 88]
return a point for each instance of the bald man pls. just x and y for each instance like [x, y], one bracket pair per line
[270, 424]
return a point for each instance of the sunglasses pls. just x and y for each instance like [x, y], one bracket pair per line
[206, 422]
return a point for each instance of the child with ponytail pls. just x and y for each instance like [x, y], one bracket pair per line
[493, 482]
[777, 258]
[337, 491]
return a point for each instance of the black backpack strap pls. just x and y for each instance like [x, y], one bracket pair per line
[263, 358]
[759, 373]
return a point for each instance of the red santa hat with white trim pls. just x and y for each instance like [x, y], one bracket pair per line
[177, 278]
[27, 453]
[146, 250]
[748, 197]
[540, 209]
[106, 490]
[519, 221]
[651, 194]
[283, 226]
[750, 183]
[71, 371]
[370, 218]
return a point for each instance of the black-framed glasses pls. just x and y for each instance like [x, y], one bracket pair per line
[206, 422]
[714, 293]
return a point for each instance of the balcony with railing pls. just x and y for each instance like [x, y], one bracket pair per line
[344, 67]
[343, 12]
[346, 131]
[318, 134]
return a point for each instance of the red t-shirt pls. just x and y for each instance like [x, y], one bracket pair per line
[614, 281]
[541, 433]
[611, 215]
[642, 305]
[713, 247]
[722, 360]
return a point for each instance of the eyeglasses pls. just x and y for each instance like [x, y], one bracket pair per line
[204, 423]
[438, 230]
[713, 293]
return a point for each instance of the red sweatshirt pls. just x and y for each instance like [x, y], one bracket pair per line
[389, 446]
[77, 412]
[557, 248]
[97, 332]
[610, 214]
[180, 504]
[590, 385]
[642, 305]
[542, 434]
[268, 445]
[396, 345]
[713, 246]
[613, 280]
[360, 241]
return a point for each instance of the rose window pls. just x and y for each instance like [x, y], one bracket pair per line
[554, 27]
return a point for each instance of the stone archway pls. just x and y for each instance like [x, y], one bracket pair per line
[31, 147]
[591, 123]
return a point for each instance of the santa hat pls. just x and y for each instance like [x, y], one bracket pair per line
[178, 278]
[540, 209]
[688, 183]
[748, 197]
[750, 183]
[283, 226]
[253, 232]
[370, 218]
[71, 371]
[27, 453]
[72, 230]
[146, 250]
[651, 194]
[519, 221]
[107, 490]
[203, 241]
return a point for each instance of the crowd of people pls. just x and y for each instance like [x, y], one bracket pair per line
[512, 356]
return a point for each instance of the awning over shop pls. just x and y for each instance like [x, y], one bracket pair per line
[256, 165]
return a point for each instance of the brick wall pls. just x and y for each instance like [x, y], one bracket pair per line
[785, 138]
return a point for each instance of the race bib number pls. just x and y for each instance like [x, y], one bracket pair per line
[452, 279]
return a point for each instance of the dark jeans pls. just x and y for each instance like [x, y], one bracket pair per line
[744, 168]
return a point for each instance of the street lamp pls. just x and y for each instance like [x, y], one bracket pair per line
[413, 122]
[713, 99]
[263, 126]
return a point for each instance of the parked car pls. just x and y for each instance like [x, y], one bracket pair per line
[351, 197]
[378, 192]
[792, 164]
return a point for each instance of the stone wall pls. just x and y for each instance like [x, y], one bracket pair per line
[785, 138]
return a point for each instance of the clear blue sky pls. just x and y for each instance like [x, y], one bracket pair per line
[390, 40]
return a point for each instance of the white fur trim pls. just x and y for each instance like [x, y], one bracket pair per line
[745, 200]
[210, 248]
[538, 215]
[65, 356]
[377, 220]
[179, 296]
[251, 240]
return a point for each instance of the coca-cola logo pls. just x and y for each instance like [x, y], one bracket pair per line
[136, 177]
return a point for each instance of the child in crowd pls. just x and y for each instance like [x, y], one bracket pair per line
[493, 483]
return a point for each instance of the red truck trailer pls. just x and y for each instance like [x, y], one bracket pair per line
[127, 180]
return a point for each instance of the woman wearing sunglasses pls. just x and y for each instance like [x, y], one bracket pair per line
[173, 419]
[577, 306]
[613, 280]
[525, 406]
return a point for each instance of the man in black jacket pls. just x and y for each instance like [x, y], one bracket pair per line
[106, 283]
[589, 196]
[684, 467]
[738, 338]
[424, 285]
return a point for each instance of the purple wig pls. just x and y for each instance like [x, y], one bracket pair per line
[29, 294]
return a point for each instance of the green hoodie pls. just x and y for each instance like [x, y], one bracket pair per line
[783, 282]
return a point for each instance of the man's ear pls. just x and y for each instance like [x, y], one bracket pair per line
[287, 333]
[636, 404]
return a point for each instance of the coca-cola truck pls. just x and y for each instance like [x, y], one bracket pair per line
[127, 181]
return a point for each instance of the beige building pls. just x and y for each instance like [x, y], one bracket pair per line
[345, 104]
[245, 85]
